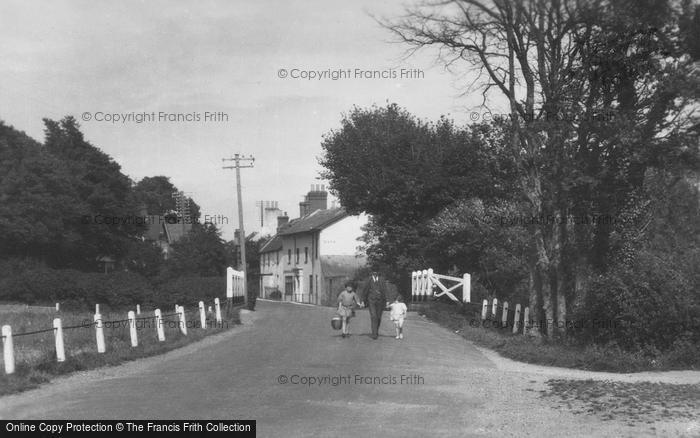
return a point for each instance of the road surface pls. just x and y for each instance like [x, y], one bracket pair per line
[431, 383]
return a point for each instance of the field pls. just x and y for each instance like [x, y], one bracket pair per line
[35, 353]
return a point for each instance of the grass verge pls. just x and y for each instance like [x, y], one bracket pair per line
[538, 351]
[35, 355]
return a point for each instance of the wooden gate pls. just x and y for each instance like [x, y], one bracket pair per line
[426, 284]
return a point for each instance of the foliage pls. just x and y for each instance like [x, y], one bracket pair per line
[190, 290]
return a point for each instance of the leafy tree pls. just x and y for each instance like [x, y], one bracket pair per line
[156, 194]
[201, 252]
[403, 171]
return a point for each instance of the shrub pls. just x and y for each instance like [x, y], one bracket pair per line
[646, 304]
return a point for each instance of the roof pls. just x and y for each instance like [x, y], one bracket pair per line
[341, 265]
[274, 244]
[315, 221]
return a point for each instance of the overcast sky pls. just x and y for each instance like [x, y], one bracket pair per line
[177, 57]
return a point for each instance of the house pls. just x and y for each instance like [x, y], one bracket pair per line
[166, 230]
[310, 258]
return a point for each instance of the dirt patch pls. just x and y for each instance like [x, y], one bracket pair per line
[647, 402]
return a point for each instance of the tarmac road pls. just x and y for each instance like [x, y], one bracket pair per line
[296, 376]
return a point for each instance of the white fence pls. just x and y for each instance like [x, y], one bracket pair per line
[132, 318]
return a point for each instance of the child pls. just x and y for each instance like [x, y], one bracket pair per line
[398, 313]
[347, 299]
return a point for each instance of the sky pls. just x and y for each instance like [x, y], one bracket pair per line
[234, 73]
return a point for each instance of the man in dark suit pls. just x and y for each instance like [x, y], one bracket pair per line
[374, 296]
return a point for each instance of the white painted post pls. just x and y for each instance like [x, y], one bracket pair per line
[99, 333]
[516, 320]
[413, 285]
[97, 309]
[58, 335]
[58, 307]
[202, 315]
[484, 309]
[8, 350]
[217, 304]
[526, 320]
[159, 325]
[504, 320]
[229, 282]
[425, 284]
[466, 288]
[138, 309]
[183, 323]
[494, 308]
[430, 283]
[132, 329]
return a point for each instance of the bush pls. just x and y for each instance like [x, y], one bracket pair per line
[645, 305]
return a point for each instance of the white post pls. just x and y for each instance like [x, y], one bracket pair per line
[138, 309]
[8, 351]
[424, 284]
[504, 320]
[229, 282]
[159, 326]
[413, 285]
[58, 335]
[526, 320]
[217, 304]
[466, 288]
[97, 309]
[484, 309]
[99, 333]
[183, 324]
[430, 282]
[516, 320]
[58, 307]
[132, 329]
[202, 315]
[494, 308]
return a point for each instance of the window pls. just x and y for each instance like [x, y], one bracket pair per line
[296, 260]
[268, 258]
[306, 254]
[278, 257]
[289, 256]
[311, 284]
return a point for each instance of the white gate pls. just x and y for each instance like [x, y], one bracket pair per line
[426, 283]
[235, 284]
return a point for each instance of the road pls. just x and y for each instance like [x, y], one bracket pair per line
[431, 383]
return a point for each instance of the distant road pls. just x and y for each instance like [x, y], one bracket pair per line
[449, 388]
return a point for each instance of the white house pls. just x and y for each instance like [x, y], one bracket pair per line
[310, 258]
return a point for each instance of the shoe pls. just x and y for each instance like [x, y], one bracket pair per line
[374, 336]
[343, 334]
[401, 336]
[397, 336]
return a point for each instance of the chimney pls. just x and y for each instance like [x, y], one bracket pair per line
[282, 221]
[317, 199]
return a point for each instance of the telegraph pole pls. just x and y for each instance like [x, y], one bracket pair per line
[237, 159]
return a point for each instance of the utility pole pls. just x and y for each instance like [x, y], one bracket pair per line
[237, 159]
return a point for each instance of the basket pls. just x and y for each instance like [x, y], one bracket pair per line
[337, 322]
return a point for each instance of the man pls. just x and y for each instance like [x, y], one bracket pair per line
[374, 296]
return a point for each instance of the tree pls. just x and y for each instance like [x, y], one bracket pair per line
[104, 190]
[564, 68]
[156, 194]
[200, 253]
[403, 171]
